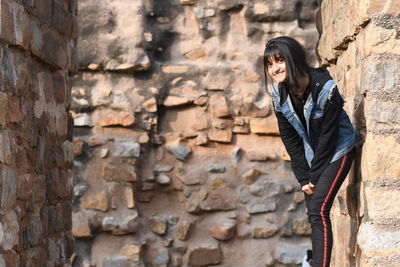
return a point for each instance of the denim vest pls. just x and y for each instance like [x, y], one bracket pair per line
[348, 137]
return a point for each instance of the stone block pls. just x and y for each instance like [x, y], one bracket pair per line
[7, 68]
[60, 86]
[298, 197]
[216, 168]
[34, 230]
[83, 120]
[217, 201]
[380, 36]
[250, 176]
[117, 47]
[301, 226]
[61, 19]
[223, 231]
[272, 11]
[176, 69]
[173, 101]
[183, 229]
[159, 257]
[265, 232]
[374, 241]
[291, 254]
[219, 106]
[9, 230]
[124, 120]
[55, 49]
[218, 79]
[261, 208]
[253, 110]
[163, 179]
[22, 32]
[127, 149]
[9, 182]
[98, 201]
[131, 251]
[179, 149]
[221, 136]
[128, 196]
[381, 194]
[158, 225]
[150, 105]
[267, 125]
[196, 54]
[81, 224]
[380, 157]
[204, 255]
[121, 224]
[42, 10]
[122, 173]
[6, 152]
[6, 21]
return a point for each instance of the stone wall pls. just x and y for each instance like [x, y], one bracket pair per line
[37, 51]
[178, 161]
[360, 44]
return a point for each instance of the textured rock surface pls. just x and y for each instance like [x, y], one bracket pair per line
[37, 53]
[360, 44]
[178, 154]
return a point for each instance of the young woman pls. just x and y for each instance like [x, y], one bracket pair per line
[316, 132]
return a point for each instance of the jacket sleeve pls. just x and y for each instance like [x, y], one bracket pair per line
[328, 137]
[294, 146]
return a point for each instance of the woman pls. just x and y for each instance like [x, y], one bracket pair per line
[316, 132]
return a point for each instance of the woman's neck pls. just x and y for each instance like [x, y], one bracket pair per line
[303, 83]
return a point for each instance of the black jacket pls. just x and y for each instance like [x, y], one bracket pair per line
[323, 131]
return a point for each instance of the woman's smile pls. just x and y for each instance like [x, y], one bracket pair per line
[277, 69]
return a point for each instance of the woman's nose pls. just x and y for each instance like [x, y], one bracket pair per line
[275, 67]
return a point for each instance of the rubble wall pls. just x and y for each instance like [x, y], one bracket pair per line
[360, 44]
[178, 159]
[37, 51]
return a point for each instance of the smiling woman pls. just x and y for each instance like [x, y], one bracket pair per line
[276, 67]
[316, 132]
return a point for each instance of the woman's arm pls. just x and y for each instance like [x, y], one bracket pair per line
[328, 138]
[294, 146]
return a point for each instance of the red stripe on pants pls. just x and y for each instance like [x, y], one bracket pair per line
[322, 209]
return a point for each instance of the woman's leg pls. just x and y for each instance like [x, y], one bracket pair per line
[319, 205]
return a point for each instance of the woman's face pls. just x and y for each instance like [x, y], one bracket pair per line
[276, 67]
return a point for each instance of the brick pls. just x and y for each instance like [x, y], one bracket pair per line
[28, 4]
[3, 109]
[36, 41]
[9, 182]
[61, 20]
[61, 184]
[44, 10]
[60, 86]
[73, 6]
[7, 69]
[22, 33]
[81, 224]
[6, 21]
[55, 50]
[6, 154]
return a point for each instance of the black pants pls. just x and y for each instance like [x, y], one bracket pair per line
[319, 206]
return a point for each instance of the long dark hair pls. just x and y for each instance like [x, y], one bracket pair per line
[294, 56]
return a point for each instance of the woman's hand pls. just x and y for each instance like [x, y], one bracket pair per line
[308, 188]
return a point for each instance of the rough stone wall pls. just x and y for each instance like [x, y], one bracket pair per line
[178, 161]
[360, 42]
[37, 51]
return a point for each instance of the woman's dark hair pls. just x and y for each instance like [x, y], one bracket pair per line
[293, 54]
